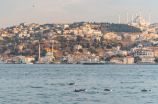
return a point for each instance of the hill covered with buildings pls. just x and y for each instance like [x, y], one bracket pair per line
[76, 42]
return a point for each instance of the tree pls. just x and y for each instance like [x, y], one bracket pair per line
[4, 49]
[62, 39]
[137, 59]
[71, 33]
[67, 28]
[120, 27]
[80, 50]
[33, 61]
[156, 60]
[79, 38]
[88, 45]
[44, 52]
[7, 39]
[108, 58]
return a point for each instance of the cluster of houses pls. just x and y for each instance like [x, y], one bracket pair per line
[143, 53]
[85, 30]
[137, 55]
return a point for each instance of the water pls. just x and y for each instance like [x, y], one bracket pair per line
[48, 84]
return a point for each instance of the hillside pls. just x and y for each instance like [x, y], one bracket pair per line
[118, 28]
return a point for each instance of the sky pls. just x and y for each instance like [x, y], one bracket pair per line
[14, 12]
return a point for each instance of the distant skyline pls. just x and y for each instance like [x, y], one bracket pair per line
[14, 12]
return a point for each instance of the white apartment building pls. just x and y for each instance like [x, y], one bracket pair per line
[26, 60]
[21, 35]
[63, 26]
[128, 60]
[146, 56]
[77, 47]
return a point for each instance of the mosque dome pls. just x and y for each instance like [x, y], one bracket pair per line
[48, 54]
[140, 21]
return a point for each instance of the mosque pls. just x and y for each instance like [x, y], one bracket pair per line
[138, 21]
[49, 57]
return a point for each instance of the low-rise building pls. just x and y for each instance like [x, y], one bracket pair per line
[22, 35]
[71, 59]
[18, 59]
[116, 61]
[26, 60]
[128, 60]
[63, 26]
[77, 47]
[146, 56]
[110, 36]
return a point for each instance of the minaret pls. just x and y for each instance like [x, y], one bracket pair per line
[149, 18]
[39, 51]
[136, 14]
[119, 18]
[132, 17]
[127, 18]
[146, 21]
[52, 51]
[140, 18]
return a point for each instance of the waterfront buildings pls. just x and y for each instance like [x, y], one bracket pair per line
[146, 56]
[128, 60]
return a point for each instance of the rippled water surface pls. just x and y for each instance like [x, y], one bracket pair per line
[49, 84]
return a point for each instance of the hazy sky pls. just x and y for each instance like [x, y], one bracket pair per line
[14, 12]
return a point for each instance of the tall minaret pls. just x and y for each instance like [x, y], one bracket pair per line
[136, 14]
[132, 17]
[127, 18]
[119, 18]
[39, 51]
[149, 18]
[52, 51]
[140, 13]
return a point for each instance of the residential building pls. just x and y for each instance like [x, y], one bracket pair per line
[146, 56]
[18, 59]
[109, 36]
[128, 60]
[71, 59]
[22, 35]
[63, 26]
[26, 60]
[77, 47]
[116, 61]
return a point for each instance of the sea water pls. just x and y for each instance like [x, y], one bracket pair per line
[49, 84]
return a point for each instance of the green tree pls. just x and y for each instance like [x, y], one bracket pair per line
[79, 38]
[44, 52]
[80, 50]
